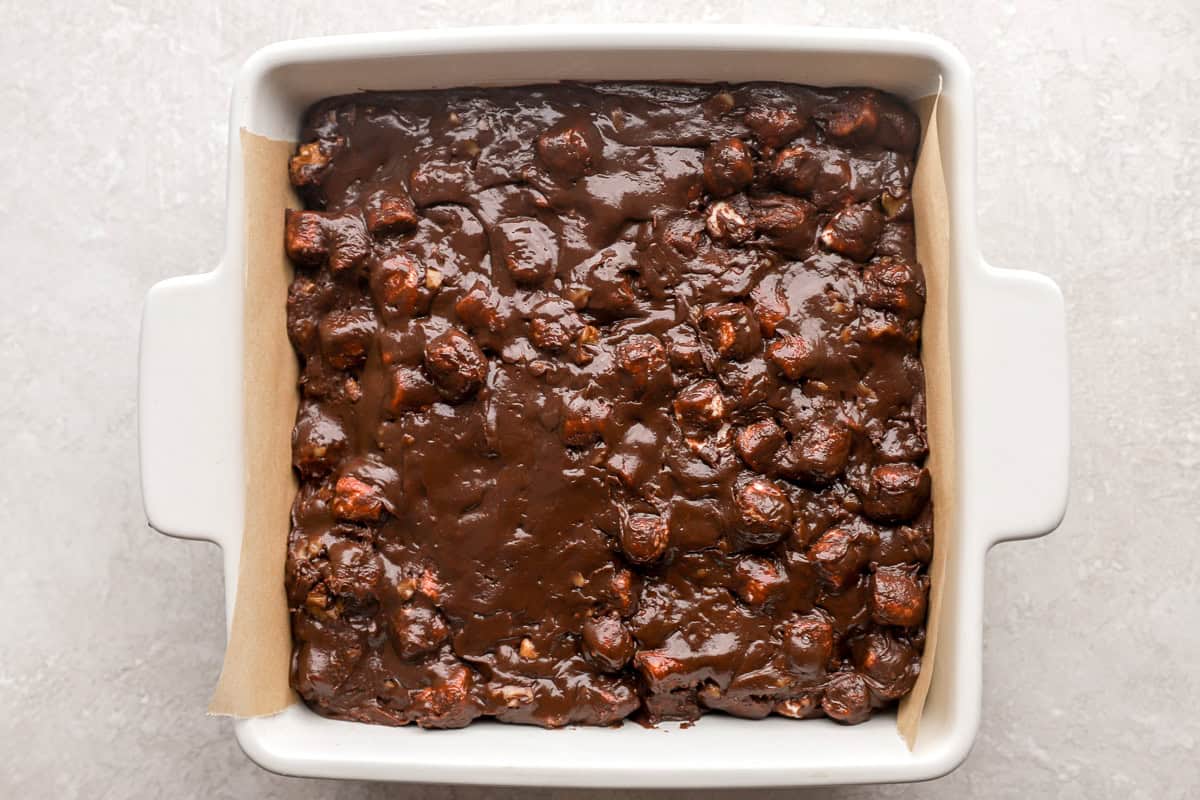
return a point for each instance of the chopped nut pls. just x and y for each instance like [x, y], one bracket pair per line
[623, 591]
[318, 602]
[312, 549]
[577, 580]
[589, 335]
[516, 696]
[429, 586]
[312, 160]
[895, 206]
[797, 707]
[885, 327]
[433, 278]
[608, 277]
[527, 650]
[720, 103]
[406, 588]
[577, 295]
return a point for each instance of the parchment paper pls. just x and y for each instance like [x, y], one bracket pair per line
[254, 678]
[932, 210]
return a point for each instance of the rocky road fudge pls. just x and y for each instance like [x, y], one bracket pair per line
[611, 405]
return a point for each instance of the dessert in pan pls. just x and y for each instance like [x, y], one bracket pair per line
[612, 404]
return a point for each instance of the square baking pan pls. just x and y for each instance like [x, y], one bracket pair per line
[1007, 369]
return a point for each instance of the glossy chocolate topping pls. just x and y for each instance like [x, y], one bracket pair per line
[611, 403]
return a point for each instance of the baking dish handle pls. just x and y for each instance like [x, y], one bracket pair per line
[188, 407]
[1020, 405]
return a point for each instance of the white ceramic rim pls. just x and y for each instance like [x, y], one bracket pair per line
[1011, 405]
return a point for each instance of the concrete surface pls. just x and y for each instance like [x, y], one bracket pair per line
[113, 159]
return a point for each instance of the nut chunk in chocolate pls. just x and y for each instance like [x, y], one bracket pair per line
[611, 405]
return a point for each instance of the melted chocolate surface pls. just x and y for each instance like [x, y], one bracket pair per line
[611, 405]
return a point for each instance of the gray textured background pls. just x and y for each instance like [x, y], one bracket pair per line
[112, 164]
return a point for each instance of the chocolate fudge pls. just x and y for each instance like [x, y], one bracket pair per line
[611, 405]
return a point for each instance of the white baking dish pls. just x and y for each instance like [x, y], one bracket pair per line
[1009, 377]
